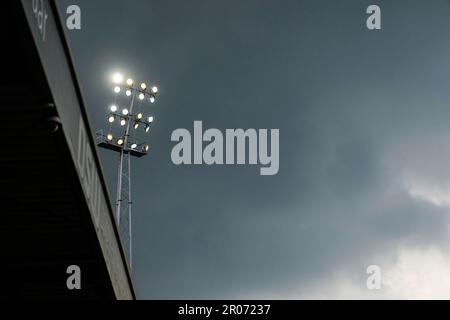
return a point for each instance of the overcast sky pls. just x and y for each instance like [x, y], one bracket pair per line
[364, 119]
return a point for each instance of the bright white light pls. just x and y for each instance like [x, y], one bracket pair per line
[128, 93]
[113, 108]
[123, 122]
[130, 82]
[143, 86]
[120, 142]
[134, 146]
[117, 89]
[117, 78]
[111, 119]
[125, 112]
[150, 119]
[141, 96]
[147, 129]
[139, 116]
[152, 99]
[155, 90]
[109, 137]
[146, 148]
[136, 125]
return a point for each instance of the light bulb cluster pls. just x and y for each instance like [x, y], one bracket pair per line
[129, 87]
[123, 117]
[131, 146]
[137, 121]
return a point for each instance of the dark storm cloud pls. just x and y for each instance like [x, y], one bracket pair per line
[354, 108]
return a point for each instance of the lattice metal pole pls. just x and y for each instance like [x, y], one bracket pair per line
[124, 202]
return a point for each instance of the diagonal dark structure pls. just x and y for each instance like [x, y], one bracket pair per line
[54, 204]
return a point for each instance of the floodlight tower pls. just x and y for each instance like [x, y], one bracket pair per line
[126, 143]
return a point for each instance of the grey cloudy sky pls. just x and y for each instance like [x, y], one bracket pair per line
[364, 144]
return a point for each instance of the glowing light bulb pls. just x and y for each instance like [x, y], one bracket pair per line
[117, 78]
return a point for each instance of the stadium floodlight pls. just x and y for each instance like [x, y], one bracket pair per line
[128, 121]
